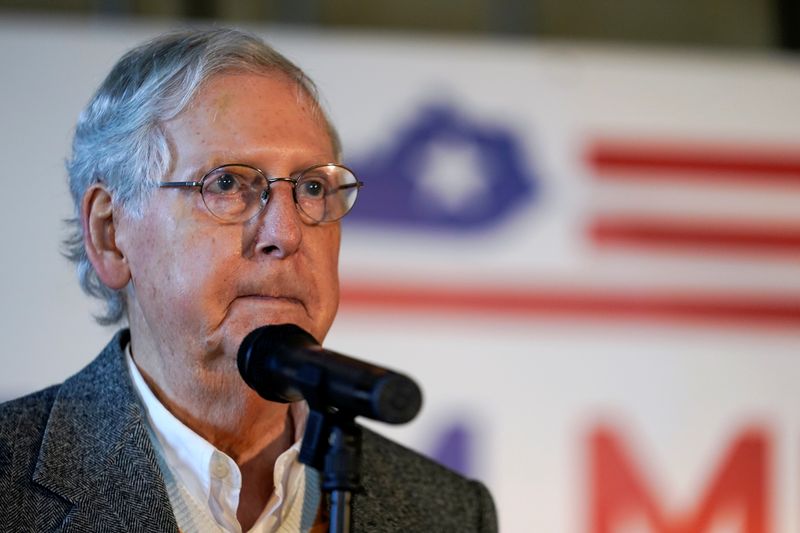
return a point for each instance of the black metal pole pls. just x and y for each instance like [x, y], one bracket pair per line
[342, 473]
[340, 511]
[332, 445]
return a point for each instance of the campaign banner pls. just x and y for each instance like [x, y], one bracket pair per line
[587, 256]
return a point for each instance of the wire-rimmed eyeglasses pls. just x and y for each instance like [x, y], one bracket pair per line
[238, 192]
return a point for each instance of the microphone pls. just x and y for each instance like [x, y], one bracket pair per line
[284, 363]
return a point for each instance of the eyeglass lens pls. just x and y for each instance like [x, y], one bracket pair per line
[237, 193]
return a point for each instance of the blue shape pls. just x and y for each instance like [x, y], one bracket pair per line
[454, 449]
[392, 175]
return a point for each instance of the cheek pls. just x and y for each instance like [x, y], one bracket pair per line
[199, 272]
[326, 276]
[179, 275]
[333, 272]
[323, 256]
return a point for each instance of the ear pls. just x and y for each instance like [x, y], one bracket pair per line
[99, 235]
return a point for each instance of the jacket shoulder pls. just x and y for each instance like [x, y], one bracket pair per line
[410, 492]
[22, 426]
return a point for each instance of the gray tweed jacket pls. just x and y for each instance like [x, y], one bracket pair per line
[77, 457]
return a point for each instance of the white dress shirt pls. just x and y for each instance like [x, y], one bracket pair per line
[204, 483]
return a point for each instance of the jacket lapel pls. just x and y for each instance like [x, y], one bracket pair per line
[96, 452]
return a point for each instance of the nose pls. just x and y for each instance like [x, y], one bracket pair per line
[280, 230]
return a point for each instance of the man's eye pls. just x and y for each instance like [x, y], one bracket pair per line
[313, 188]
[224, 184]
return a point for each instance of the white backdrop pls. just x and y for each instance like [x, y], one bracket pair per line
[633, 287]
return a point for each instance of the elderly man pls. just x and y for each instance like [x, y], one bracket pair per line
[208, 193]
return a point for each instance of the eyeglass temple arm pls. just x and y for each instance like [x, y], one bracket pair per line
[357, 184]
[180, 184]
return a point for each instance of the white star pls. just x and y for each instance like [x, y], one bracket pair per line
[451, 180]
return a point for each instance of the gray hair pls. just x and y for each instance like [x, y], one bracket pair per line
[119, 138]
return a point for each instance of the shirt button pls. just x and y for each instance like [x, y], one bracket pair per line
[219, 468]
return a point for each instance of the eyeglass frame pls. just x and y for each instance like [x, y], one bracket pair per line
[294, 179]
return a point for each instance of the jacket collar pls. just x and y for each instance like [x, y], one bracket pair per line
[96, 452]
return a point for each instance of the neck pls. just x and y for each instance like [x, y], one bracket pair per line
[230, 416]
[238, 422]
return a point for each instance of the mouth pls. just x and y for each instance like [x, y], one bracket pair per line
[248, 311]
[273, 302]
[269, 297]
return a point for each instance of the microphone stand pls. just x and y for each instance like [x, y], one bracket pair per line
[332, 445]
[283, 363]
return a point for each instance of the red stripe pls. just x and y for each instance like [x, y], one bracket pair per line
[755, 310]
[695, 162]
[696, 234]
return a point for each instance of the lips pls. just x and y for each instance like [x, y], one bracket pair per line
[275, 302]
[276, 298]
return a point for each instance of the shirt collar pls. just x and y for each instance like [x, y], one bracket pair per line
[197, 464]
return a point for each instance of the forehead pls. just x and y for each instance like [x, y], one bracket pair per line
[229, 92]
[235, 112]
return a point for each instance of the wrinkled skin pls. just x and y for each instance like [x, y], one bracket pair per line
[197, 285]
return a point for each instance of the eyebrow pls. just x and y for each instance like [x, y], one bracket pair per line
[200, 169]
[196, 172]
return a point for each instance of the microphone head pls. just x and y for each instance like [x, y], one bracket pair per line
[284, 363]
[397, 399]
[260, 355]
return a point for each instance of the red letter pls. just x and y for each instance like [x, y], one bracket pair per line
[740, 488]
